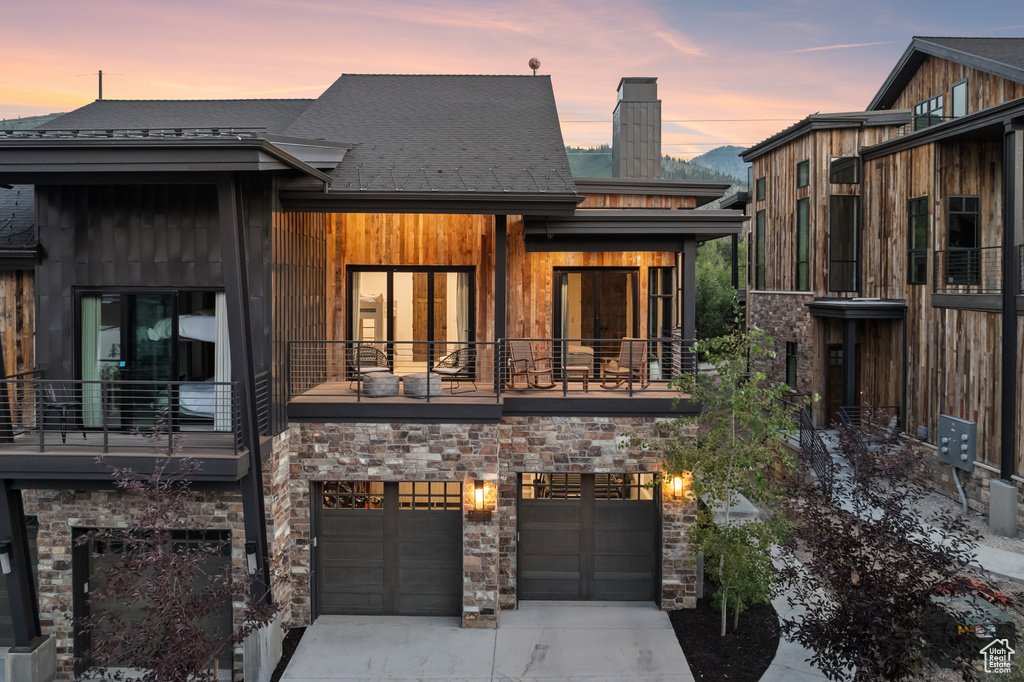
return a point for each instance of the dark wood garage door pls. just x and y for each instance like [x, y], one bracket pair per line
[588, 537]
[389, 548]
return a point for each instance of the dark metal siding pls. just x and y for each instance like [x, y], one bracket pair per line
[299, 293]
[122, 236]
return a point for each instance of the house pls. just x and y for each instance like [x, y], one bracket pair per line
[886, 257]
[405, 345]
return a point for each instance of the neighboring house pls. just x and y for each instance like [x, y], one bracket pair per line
[260, 269]
[885, 255]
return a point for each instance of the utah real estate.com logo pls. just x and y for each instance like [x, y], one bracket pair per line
[998, 656]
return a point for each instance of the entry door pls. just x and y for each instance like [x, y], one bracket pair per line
[834, 381]
[389, 548]
[588, 537]
[597, 304]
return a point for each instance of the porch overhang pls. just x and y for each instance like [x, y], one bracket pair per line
[859, 308]
[595, 230]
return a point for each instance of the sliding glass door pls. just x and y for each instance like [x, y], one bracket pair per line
[413, 306]
[597, 307]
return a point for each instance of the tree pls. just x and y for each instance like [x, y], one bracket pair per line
[164, 585]
[734, 448]
[715, 295]
[864, 567]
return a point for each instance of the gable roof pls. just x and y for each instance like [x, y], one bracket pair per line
[272, 114]
[451, 134]
[1003, 57]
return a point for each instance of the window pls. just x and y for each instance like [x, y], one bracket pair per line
[803, 174]
[917, 241]
[659, 316]
[843, 246]
[759, 252]
[928, 112]
[844, 170]
[958, 99]
[791, 365]
[759, 191]
[963, 257]
[803, 220]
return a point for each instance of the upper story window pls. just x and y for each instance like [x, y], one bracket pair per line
[844, 243]
[759, 252]
[963, 242]
[803, 174]
[917, 241]
[844, 170]
[759, 190]
[958, 99]
[803, 224]
[928, 112]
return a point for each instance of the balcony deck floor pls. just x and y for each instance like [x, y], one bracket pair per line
[194, 444]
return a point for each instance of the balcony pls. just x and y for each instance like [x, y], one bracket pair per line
[969, 270]
[53, 429]
[371, 381]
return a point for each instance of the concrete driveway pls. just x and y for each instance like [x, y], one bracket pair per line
[542, 641]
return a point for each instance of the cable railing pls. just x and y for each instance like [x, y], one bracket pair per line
[969, 270]
[428, 370]
[116, 416]
[360, 370]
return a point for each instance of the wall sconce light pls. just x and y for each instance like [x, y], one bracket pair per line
[677, 486]
[480, 512]
[250, 556]
[5, 557]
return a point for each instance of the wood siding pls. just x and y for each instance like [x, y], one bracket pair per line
[298, 293]
[375, 239]
[18, 308]
[637, 201]
[936, 76]
[137, 236]
[531, 286]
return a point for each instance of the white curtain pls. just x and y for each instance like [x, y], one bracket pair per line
[92, 398]
[222, 420]
[462, 308]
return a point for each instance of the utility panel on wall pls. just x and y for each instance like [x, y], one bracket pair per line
[958, 442]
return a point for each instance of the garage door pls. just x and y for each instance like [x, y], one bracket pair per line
[389, 548]
[588, 537]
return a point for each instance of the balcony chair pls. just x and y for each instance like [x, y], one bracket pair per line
[456, 367]
[631, 364]
[365, 359]
[522, 363]
[65, 401]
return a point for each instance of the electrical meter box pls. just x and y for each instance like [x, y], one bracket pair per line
[958, 442]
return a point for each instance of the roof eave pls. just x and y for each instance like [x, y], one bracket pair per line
[464, 203]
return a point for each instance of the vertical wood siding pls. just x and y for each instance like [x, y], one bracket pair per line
[936, 76]
[18, 308]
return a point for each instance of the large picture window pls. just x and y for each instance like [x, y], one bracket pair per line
[928, 112]
[420, 314]
[759, 252]
[963, 242]
[803, 222]
[958, 99]
[844, 243]
[917, 241]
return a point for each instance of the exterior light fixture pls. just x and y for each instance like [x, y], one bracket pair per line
[250, 556]
[478, 495]
[677, 486]
[5, 557]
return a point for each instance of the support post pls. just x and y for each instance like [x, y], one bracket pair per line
[236, 288]
[689, 302]
[849, 362]
[1013, 237]
[21, 588]
[500, 291]
[735, 261]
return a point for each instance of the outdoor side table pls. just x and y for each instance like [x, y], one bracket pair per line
[415, 385]
[380, 384]
[579, 372]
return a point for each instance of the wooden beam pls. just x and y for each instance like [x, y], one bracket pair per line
[236, 288]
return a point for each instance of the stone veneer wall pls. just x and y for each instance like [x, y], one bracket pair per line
[60, 511]
[787, 318]
[466, 452]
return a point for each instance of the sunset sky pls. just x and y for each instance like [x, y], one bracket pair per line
[774, 61]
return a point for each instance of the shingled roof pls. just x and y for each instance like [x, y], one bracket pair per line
[442, 133]
[17, 217]
[1003, 57]
[272, 114]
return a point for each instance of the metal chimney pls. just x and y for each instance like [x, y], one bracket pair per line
[636, 130]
